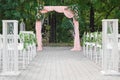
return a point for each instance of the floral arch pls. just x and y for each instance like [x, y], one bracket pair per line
[68, 13]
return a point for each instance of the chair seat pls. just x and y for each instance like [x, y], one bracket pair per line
[90, 43]
[11, 46]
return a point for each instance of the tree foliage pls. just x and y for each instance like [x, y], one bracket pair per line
[26, 10]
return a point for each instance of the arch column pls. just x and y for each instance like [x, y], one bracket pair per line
[39, 35]
[77, 46]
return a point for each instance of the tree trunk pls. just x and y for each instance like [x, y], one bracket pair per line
[52, 22]
[62, 1]
[92, 19]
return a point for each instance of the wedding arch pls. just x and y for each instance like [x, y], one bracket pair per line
[68, 13]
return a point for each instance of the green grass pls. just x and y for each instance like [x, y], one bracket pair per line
[58, 44]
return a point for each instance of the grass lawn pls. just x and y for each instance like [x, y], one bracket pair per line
[58, 44]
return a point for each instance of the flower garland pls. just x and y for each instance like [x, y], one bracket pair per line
[40, 7]
[75, 10]
[39, 16]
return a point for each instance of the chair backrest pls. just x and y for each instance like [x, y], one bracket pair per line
[1, 41]
[27, 38]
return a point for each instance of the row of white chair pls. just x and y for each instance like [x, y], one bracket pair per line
[92, 46]
[25, 55]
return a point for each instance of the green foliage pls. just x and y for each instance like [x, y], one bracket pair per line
[75, 9]
[65, 31]
[27, 39]
[67, 23]
[19, 9]
[94, 37]
[40, 7]
[53, 2]
[39, 16]
[26, 10]
[46, 34]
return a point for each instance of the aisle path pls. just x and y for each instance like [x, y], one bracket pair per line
[59, 63]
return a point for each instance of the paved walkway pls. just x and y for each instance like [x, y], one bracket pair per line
[59, 63]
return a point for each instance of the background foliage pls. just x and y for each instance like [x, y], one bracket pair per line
[91, 14]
